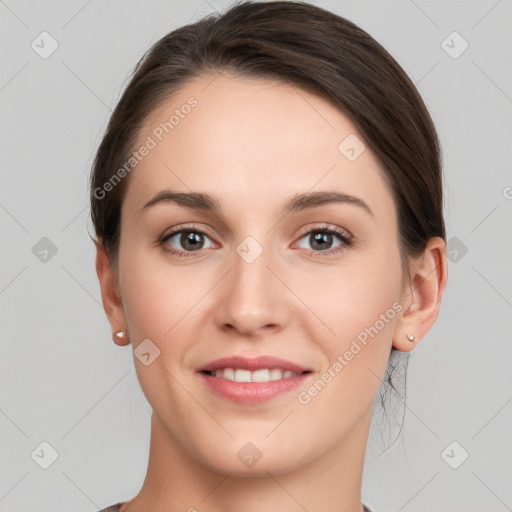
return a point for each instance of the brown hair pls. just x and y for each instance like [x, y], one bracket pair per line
[314, 49]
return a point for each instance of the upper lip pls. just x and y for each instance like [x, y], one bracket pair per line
[253, 364]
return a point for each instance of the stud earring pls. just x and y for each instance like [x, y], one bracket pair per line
[120, 335]
[410, 337]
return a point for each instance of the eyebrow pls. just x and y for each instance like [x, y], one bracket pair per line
[298, 202]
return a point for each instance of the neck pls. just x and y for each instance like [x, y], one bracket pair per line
[176, 481]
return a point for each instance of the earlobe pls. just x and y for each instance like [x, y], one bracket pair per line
[111, 299]
[428, 276]
[120, 338]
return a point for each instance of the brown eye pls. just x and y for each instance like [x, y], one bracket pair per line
[321, 240]
[185, 240]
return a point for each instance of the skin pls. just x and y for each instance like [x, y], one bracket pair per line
[253, 144]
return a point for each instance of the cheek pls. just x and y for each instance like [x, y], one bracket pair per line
[157, 303]
[368, 309]
[155, 295]
[361, 305]
[351, 299]
[364, 320]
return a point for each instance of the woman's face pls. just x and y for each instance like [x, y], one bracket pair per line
[264, 280]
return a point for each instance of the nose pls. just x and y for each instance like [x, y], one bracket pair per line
[253, 300]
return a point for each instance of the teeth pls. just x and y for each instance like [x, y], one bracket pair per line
[242, 376]
[228, 373]
[276, 374]
[263, 375]
[260, 376]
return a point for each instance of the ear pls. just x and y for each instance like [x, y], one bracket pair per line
[422, 295]
[108, 278]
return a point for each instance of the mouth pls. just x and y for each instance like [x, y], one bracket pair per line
[261, 375]
[252, 381]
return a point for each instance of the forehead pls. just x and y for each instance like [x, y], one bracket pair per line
[255, 140]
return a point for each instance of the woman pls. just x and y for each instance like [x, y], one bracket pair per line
[267, 201]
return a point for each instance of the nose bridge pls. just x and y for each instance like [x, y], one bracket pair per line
[252, 296]
[250, 273]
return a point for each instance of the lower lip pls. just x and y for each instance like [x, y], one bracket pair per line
[252, 392]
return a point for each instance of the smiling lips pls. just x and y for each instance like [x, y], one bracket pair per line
[263, 375]
[252, 381]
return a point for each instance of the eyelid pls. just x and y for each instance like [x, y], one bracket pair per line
[304, 231]
[326, 227]
[185, 227]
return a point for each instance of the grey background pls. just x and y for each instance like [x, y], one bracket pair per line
[64, 382]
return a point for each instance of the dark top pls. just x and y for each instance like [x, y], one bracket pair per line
[115, 508]
[112, 508]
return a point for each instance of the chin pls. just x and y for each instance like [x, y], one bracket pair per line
[242, 458]
[261, 469]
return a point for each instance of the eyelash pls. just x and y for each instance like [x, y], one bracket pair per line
[342, 235]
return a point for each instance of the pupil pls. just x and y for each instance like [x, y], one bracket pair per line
[191, 240]
[320, 238]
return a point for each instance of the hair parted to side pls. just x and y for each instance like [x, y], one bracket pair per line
[311, 48]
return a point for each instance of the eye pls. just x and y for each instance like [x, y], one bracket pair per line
[184, 241]
[321, 240]
[188, 240]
